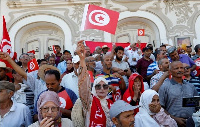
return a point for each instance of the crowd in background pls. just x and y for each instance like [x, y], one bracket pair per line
[123, 87]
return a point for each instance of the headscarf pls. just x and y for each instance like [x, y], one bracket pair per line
[144, 111]
[129, 93]
[104, 102]
[46, 97]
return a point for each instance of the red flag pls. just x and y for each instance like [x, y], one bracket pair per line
[54, 49]
[32, 51]
[140, 32]
[95, 17]
[5, 43]
[32, 65]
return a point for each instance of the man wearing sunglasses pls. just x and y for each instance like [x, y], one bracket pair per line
[191, 79]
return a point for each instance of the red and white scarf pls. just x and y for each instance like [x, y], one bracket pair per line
[97, 115]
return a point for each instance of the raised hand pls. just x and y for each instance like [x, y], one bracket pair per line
[5, 56]
[80, 50]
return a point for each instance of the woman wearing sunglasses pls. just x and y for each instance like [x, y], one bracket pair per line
[93, 106]
[49, 114]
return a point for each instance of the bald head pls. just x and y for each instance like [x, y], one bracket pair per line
[173, 64]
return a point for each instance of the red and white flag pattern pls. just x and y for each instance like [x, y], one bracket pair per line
[32, 65]
[32, 51]
[141, 32]
[54, 49]
[5, 43]
[95, 17]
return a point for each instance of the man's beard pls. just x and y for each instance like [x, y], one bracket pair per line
[119, 59]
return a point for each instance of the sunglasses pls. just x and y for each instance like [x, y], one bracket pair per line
[186, 68]
[98, 87]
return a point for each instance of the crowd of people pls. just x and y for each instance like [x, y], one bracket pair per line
[124, 87]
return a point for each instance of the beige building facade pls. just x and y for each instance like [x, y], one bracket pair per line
[39, 24]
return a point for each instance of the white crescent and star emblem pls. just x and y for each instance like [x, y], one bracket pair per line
[62, 102]
[32, 66]
[6, 47]
[99, 18]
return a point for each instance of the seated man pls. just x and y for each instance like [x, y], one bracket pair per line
[122, 114]
[172, 91]
[10, 109]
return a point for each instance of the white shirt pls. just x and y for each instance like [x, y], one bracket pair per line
[70, 81]
[132, 54]
[18, 116]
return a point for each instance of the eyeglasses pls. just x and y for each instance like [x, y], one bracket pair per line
[91, 60]
[186, 68]
[46, 109]
[98, 86]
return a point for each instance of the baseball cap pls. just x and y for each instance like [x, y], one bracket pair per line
[146, 48]
[119, 107]
[188, 46]
[7, 85]
[66, 51]
[75, 59]
[171, 49]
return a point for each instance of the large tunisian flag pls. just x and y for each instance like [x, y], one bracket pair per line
[5, 45]
[95, 17]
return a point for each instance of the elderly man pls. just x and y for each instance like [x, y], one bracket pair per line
[173, 54]
[105, 49]
[158, 79]
[12, 114]
[24, 59]
[122, 114]
[98, 50]
[51, 61]
[172, 92]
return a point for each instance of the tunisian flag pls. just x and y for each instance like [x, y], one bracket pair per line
[6, 46]
[32, 65]
[54, 49]
[95, 17]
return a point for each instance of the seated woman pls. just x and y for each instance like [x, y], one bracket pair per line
[92, 109]
[69, 68]
[49, 114]
[151, 113]
[134, 91]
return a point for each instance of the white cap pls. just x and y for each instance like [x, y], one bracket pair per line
[75, 59]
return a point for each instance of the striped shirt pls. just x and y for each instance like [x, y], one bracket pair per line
[153, 66]
[196, 82]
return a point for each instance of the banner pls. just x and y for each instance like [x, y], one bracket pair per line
[141, 32]
[95, 17]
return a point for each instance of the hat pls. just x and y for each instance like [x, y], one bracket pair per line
[146, 48]
[43, 68]
[7, 85]
[105, 46]
[119, 107]
[66, 51]
[3, 65]
[171, 49]
[75, 59]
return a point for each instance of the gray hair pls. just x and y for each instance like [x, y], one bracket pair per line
[160, 62]
[23, 54]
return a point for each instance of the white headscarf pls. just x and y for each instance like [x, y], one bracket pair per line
[143, 117]
[104, 103]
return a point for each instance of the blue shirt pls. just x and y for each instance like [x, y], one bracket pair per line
[153, 66]
[62, 66]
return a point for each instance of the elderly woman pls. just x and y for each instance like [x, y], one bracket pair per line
[151, 113]
[49, 114]
[92, 109]
[134, 91]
